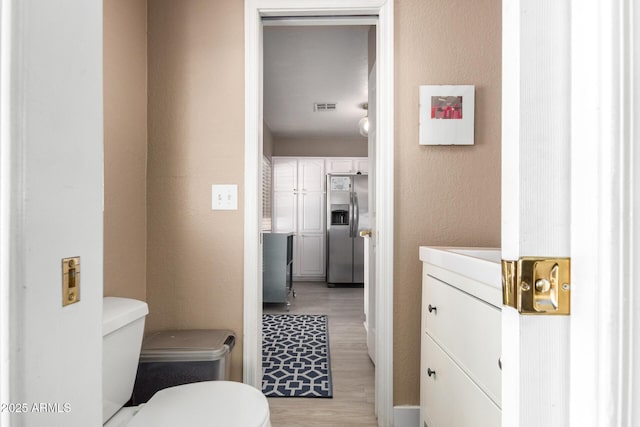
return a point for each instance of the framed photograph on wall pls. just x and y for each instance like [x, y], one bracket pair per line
[447, 114]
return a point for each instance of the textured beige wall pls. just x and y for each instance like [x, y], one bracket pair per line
[321, 147]
[444, 195]
[125, 148]
[196, 139]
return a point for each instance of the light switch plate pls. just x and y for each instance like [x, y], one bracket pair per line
[224, 197]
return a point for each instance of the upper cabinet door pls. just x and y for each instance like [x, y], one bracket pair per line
[311, 174]
[347, 164]
[340, 165]
[285, 172]
[361, 165]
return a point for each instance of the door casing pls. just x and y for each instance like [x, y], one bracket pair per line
[255, 10]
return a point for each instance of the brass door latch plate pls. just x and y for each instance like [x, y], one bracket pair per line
[70, 280]
[537, 285]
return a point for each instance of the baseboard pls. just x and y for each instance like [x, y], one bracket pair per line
[406, 416]
[308, 279]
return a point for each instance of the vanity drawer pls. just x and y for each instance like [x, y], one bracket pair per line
[468, 329]
[449, 398]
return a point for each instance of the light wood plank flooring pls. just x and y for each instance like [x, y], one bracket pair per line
[352, 370]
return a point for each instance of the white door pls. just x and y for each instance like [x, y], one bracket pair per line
[571, 188]
[370, 241]
[51, 208]
[535, 203]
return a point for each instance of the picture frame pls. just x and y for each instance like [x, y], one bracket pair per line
[447, 114]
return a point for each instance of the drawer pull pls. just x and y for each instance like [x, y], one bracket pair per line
[500, 363]
[432, 308]
[430, 372]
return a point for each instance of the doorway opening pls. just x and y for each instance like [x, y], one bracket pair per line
[255, 11]
[315, 86]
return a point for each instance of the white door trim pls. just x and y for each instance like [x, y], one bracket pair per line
[7, 207]
[605, 245]
[254, 10]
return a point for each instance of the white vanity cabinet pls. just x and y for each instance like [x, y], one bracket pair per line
[460, 373]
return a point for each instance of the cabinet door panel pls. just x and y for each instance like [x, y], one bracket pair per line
[311, 175]
[311, 212]
[285, 173]
[284, 212]
[311, 249]
[449, 398]
[361, 165]
[339, 165]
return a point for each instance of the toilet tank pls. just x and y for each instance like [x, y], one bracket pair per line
[122, 331]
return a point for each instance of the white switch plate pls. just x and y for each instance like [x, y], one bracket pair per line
[224, 197]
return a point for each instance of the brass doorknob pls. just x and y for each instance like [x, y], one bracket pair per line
[366, 233]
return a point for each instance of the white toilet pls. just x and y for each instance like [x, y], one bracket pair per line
[208, 403]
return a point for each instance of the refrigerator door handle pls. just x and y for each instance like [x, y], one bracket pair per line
[351, 214]
[356, 215]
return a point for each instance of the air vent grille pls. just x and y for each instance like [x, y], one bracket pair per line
[324, 106]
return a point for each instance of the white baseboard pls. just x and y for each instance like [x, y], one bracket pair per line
[308, 279]
[406, 416]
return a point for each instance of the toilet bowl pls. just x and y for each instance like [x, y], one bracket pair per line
[207, 403]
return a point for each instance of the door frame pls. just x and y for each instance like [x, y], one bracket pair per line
[254, 11]
[605, 202]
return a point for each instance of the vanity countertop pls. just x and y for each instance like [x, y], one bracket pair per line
[480, 264]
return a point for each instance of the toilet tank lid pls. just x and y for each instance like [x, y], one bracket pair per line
[117, 312]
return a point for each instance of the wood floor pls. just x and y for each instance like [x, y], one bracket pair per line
[352, 371]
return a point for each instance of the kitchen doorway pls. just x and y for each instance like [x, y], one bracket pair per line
[383, 234]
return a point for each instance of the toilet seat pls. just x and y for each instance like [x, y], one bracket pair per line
[205, 404]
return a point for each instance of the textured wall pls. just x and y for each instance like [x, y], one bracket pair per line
[444, 195]
[321, 147]
[196, 139]
[125, 148]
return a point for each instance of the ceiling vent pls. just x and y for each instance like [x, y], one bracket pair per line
[324, 106]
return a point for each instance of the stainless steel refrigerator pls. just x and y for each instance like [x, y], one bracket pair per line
[347, 215]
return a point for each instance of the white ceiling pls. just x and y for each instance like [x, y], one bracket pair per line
[305, 65]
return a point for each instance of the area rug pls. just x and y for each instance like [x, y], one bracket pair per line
[295, 356]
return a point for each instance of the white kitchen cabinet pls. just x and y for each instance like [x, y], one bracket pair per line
[311, 252]
[361, 165]
[460, 374]
[285, 212]
[311, 175]
[284, 174]
[311, 212]
[298, 207]
[347, 164]
[339, 165]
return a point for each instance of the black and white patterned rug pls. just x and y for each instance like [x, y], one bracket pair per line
[295, 356]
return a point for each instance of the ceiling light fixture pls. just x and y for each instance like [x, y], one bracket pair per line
[363, 124]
